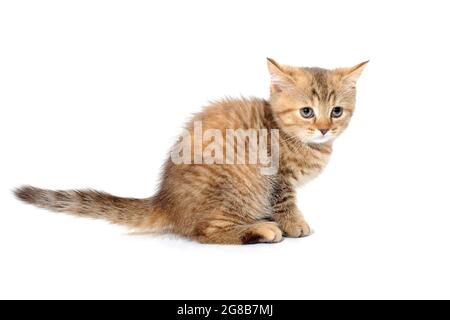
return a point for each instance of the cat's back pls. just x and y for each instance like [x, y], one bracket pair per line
[229, 113]
[200, 189]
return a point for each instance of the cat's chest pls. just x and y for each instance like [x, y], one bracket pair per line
[303, 166]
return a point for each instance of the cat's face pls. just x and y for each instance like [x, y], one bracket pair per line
[313, 104]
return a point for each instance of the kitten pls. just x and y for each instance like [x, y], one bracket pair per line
[225, 203]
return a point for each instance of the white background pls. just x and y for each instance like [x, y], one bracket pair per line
[93, 93]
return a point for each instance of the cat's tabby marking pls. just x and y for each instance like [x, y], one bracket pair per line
[237, 204]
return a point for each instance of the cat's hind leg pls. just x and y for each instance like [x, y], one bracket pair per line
[227, 232]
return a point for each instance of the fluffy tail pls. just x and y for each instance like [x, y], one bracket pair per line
[95, 204]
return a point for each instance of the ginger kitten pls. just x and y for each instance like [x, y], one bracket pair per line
[210, 195]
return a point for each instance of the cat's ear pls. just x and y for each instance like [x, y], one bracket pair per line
[351, 75]
[280, 81]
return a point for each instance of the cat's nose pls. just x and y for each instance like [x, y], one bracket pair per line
[324, 131]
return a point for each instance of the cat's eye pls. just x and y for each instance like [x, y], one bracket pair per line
[307, 112]
[337, 112]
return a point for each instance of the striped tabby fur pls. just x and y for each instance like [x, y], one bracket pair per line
[235, 204]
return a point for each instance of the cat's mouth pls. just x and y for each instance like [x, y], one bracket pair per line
[320, 139]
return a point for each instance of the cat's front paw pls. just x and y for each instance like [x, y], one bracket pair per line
[294, 226]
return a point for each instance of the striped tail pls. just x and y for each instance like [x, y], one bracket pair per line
[95, 204]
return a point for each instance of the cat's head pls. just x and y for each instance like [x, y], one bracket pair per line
[313, 104]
